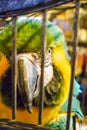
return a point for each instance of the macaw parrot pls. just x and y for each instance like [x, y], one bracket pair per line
[57, 72]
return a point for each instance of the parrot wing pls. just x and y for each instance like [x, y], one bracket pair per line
[76, 88]
[60, 121]
[75, 108]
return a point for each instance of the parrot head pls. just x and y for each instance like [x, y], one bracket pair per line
[29, 75]
[57, 68]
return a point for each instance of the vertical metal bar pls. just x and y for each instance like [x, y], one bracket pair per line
[74, 122]
[14, 69]
[75, 41]
[43, 49]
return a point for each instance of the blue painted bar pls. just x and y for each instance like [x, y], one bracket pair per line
[11, 5]
[16, 5]
[13, 8]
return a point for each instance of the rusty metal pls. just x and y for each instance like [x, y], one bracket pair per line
[75, 43]
[43, 49]
[14, 69]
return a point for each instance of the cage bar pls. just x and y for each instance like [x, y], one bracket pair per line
[75, 43]
[14, 70]
[43, 50]
[21, 9]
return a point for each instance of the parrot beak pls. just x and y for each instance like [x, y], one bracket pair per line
[28, 77]
[29, 74]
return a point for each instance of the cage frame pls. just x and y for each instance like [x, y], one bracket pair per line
[42, 7]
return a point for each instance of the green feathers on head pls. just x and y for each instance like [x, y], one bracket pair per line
[29, 35]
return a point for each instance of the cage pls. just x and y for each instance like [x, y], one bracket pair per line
[13, 9]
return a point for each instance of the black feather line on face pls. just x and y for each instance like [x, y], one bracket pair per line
[52, 90]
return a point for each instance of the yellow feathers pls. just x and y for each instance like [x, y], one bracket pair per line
[4, 65]
[62, 64]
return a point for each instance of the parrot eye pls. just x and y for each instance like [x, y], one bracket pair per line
[49, 50]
